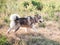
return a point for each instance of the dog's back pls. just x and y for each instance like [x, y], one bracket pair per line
[22, 21]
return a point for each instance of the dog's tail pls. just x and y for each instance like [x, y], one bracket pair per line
[13, 17]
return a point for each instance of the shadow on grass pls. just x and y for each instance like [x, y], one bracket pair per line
[32, 39]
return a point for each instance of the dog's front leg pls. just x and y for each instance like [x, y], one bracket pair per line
[26, 29]
[34, 28]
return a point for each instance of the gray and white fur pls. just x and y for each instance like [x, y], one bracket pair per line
[16, 21]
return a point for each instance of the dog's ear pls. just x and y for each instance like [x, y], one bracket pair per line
[36, 15]
[17, 18]
[39, 17]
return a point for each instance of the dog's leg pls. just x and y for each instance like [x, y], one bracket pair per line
[33, 27]
[26, 29]
[12, 25]
[9, 30]
[17, 28]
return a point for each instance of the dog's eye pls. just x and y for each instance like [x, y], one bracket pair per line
[39, 17]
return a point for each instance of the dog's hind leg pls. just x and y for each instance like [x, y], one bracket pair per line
[9, 30]
[17, 28]
[12, 25]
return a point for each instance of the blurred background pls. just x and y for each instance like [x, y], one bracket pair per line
[49, 30]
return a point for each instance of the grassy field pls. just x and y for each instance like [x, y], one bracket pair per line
[48, 31]
[49, 9]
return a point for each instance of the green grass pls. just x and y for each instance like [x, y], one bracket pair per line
[38, 5]
[42, 25]
[26, 7]
[3, 40]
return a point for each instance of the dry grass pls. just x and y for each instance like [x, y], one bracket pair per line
[46, 36]
[48, 32]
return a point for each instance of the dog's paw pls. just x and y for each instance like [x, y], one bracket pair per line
[7, 33]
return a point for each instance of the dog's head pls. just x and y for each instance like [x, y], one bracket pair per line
[38, 18]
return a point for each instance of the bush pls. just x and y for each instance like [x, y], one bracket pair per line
[25, 4]
[3, 40]
[6, 20]
[56, 18]
[42, 25]
[2, 5]
[38, 5]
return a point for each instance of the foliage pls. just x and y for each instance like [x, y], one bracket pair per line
[38, 5]
[43, 41]
[2, 5]
[25, 7]
[42, 25]
[26, 4]
[3, 40]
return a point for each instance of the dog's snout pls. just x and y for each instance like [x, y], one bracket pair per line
[41, 20]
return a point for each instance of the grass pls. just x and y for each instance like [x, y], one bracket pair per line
[22, 7]
[38, 5]
[35, 40]
[3, 40]
[6, 19]
[26, 8]
[42, 25]
[42, 42]
[26, 4]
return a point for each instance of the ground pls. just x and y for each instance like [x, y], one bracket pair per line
[51, 32]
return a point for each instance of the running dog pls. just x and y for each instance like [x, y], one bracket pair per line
[16, 21]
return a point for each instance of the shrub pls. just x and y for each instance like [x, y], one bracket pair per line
[52, 5]
[46, 18]
[25, 4]
[42, 25]
[38, 5]
[2, 5]
[6, 19]
[3, 40]
[56, 18]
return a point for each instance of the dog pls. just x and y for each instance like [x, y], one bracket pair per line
[16, 21]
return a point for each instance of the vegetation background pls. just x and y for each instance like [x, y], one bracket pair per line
[49, 30]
